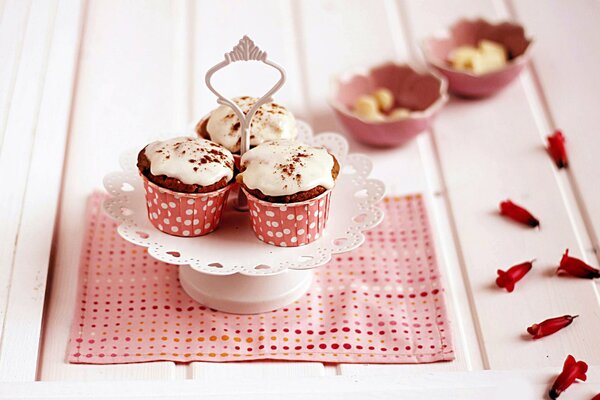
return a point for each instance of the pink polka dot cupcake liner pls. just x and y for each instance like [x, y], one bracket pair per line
[184, 214]
[291, 224]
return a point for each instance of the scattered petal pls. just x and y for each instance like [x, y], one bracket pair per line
[550, 326]
[518, 213]
[572, 370]
[557, 150]
[513, 275]
[575, 267]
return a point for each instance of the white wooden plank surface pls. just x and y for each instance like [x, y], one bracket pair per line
[492, 385]
[491, 150]
[183, 61]
[13, 21]
[18, 144]
[124, 95]
[566, 66]
[487, 385]
[257, 370]
[21, 334]
[333, 44]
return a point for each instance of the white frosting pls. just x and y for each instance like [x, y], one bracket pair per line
[270, 122]
[191, 160]
[286, 167]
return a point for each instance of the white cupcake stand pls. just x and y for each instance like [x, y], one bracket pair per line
[230, 269]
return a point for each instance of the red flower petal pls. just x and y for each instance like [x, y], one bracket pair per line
[596, 397]
[550, 326]
[557, 150]
[518, 213]
[575, 267]
[572, 370]
[514, 274]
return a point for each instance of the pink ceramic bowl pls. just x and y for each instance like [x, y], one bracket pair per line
[423, 93]
[469, 32]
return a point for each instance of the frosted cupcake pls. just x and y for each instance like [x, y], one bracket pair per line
[187, 181]
[270, 122]
[288, 185]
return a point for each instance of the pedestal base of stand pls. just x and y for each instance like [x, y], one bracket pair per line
[242, 294]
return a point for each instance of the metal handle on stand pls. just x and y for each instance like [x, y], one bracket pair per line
[245, 50]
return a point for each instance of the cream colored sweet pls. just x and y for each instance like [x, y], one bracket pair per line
[286, 167]
[379, 106]
[194, 161]
[384, 98]
[399, 113]
[367, 107]
[270, 122]
[487, 57]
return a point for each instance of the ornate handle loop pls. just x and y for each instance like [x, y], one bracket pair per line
[245, 50]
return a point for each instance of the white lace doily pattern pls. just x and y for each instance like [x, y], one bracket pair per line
[233, 247]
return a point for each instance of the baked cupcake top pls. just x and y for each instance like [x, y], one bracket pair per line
[286, 171]
[186, 164]
[270, 122]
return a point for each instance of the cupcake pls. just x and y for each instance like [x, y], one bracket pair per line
[187, 183]
[288, 185]
[270, 122]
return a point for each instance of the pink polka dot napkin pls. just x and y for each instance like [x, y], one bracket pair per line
[382, 303]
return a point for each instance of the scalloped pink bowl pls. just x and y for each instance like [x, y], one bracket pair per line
[469, 32]
[423, 93]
